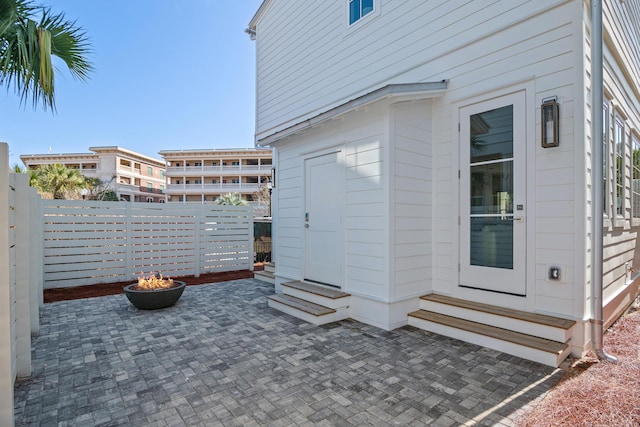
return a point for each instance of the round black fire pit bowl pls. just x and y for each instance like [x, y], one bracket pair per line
[155, 299]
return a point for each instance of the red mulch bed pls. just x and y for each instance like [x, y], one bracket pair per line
[104, 289]
[597, 393]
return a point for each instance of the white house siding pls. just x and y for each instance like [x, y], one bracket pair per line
[307, 65]
[535, 52]
[366, 210]
[411, 199]
[361, 136]
[622, 91]
[309, 60]
[289, 212]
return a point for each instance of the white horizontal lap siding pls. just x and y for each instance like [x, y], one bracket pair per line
[621, 77]
[288, 228]
[538, 52]
[291, 35]
[412, 199]
[366, 210]
[621, 22]
[308, 62]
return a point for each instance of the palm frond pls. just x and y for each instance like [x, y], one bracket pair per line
[26, 48]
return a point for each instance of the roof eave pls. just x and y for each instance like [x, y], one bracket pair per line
[258, 15]
[399, 92]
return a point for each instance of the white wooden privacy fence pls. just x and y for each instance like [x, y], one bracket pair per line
[87, 242]
[20, 279]
[53, 243]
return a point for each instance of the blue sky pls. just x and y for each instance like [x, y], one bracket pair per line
[169, 75]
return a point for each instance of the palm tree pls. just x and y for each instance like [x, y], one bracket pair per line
[58, 179]
[234, 199]
[33, 174]
[27, 46]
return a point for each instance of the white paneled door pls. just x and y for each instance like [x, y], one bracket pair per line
[323, 230]
[492, 195]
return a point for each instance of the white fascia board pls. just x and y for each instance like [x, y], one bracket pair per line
[258, 15]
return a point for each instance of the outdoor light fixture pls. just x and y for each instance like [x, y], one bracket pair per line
[550, 122]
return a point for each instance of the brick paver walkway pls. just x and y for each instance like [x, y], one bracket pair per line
[221, 357]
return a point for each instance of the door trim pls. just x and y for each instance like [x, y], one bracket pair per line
[510, 281]
[340, 205]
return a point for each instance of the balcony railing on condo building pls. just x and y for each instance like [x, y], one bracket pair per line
[244, 187]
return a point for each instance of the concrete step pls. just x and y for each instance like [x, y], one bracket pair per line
[305, 310]
[541, 350]
[270, 267]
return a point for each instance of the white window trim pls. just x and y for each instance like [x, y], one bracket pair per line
[606, 155]
[634, 137]
[619, 219]
[364, 19]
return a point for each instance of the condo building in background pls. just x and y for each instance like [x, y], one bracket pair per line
[201, 176]
[134, 177]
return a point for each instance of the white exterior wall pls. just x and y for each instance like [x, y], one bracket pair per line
[309, 63]
[411, 200]
[622, 93]
[484, 51]
[385, 145]
[362, 137]
[542, 56]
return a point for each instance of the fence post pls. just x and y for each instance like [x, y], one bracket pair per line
[197, 226]
[251, 228]
[128, 251]
[23, 273]
[38, 255]
[6, 376]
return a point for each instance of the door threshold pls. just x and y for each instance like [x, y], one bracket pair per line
[493, 291]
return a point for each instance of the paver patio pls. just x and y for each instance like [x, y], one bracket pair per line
[221, 357]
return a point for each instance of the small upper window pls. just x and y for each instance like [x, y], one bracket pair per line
[359, 9]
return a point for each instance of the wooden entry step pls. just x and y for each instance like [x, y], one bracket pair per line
[539, 325]
[305, 310]
[313, 303]
[501, 311]
[316, 289]
[541, 338]
[321, 295]
[528, 347]
[302, 305]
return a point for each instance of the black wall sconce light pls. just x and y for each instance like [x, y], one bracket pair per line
[550, 110]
